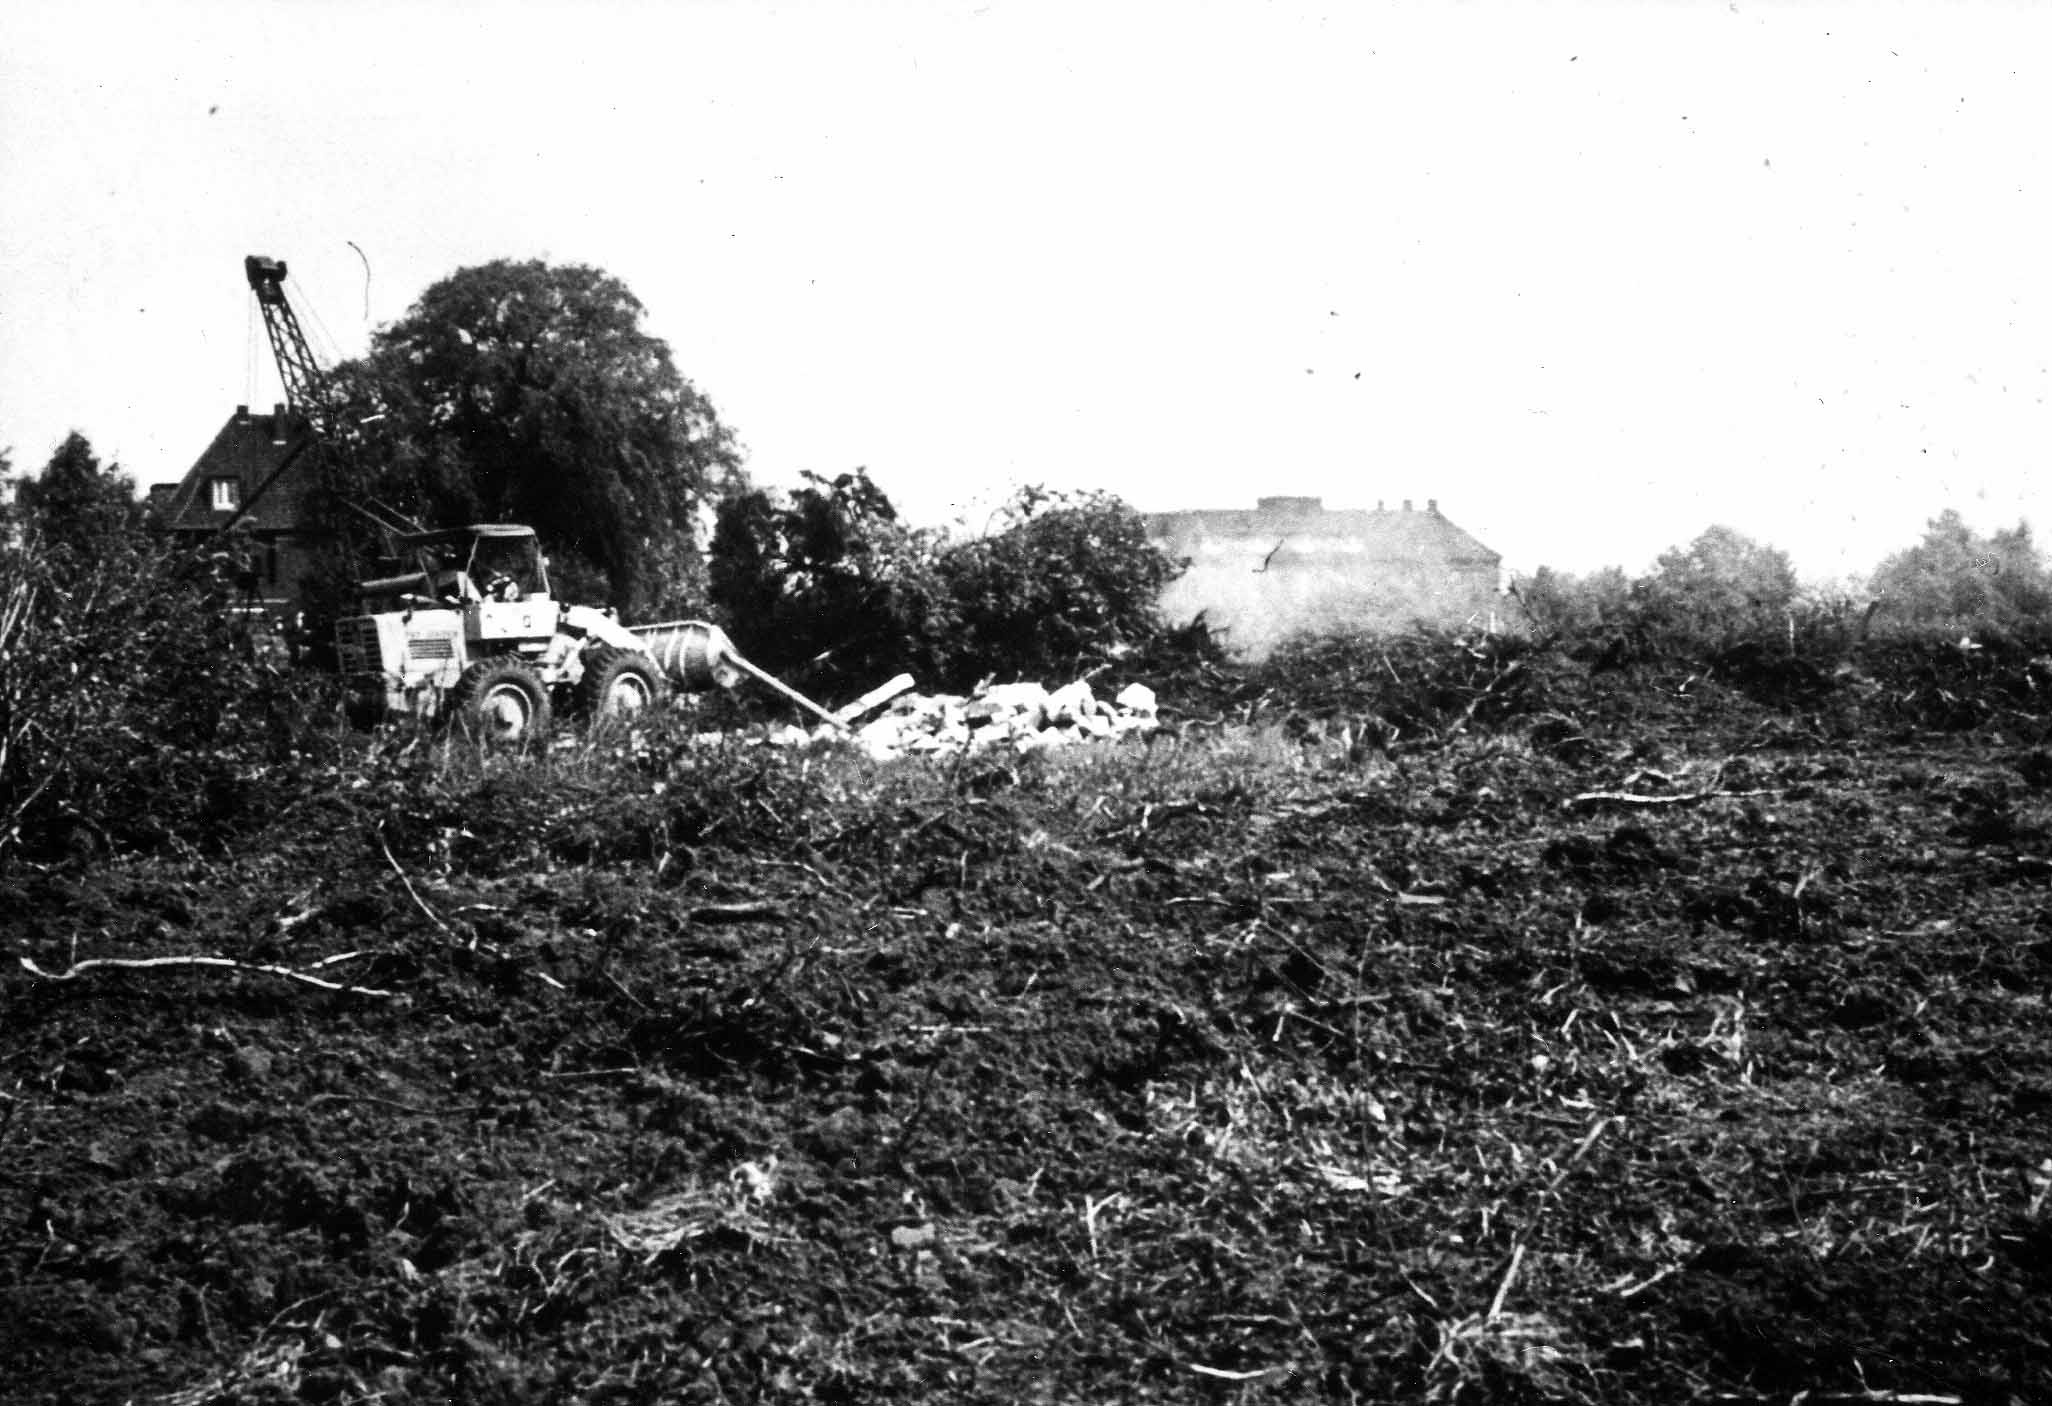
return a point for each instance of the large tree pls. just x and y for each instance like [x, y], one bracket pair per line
[1957, 579]
[828, 583]
[76, 507]
[529, 392]
[1722, 587]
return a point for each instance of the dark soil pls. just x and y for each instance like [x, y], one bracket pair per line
[1326, 1048]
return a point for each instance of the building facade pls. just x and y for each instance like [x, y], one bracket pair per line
[1293, 564]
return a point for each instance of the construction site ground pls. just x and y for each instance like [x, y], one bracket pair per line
[1661, 1038]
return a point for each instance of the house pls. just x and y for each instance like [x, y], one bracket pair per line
[250, 489]
[1293, 564]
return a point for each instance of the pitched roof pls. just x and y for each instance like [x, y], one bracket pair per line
[1372, 532]
[250, 450]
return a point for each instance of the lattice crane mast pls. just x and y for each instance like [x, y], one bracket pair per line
[307, 390]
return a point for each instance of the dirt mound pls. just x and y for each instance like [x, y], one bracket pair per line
[1702, 1059]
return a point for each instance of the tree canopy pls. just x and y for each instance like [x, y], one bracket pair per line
[827, 582]
[529, 392]
[1957, 579]
[1561, 604]
[829, 585]
[1067, 579]
[1720, 587]
[76, 507]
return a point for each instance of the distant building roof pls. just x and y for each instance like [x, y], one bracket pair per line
[1378, 532]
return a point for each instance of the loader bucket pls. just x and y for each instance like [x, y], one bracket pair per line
[697, 655]
[694, 654]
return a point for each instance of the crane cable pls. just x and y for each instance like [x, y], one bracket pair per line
[249, 350]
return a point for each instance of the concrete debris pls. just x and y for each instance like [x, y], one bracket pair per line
[1018, 717]
[1014, 717]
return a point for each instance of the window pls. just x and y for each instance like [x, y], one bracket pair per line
[225, 495]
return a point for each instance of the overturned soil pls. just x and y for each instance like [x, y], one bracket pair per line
[1660, 1039]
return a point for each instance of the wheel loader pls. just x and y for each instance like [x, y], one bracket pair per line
[471, 633]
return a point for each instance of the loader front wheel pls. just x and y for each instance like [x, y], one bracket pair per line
[618, 684]
[500, 702]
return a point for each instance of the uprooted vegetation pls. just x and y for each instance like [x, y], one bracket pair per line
[1433, 1019]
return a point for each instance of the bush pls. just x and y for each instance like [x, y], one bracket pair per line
[1561, 606]
[832, 590]
[1719, 592]
[133, 704]
[828, 588]
[1070, 581]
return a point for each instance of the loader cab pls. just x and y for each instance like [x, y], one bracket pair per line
[496, 576]
[492, 575]
[505, 564]
[499, 564]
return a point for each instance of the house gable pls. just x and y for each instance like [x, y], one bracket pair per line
[238, 478]
[254, 482]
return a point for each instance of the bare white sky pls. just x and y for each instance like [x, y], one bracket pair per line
[1593, 276]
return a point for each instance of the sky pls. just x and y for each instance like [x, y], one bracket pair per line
[1593, 276]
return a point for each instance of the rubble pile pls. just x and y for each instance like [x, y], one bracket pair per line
[1019, 717]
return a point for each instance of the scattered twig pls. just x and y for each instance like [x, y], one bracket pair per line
[412, 892]
[1093, 1209]
[339, 958]
[432, 916]
[78, 969]
[1517, 1258]
[286, 922]
[1581, 1151]
[1503, 1286]
[1631, 798]
[337, 1097]
[1626, 1286]
[1226, 1375]
[1467, 714]
[614, 1072]
[735, 912]
[1831, 1398]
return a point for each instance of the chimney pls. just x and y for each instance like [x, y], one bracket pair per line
[1289, 505]
[1407, 505]
[242, 414]
[1432, 506]
[1381, 506]
[278, 422]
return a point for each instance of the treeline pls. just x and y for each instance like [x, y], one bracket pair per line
[1724, 590]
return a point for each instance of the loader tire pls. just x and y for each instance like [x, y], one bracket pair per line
[618, 684]
[500, 702]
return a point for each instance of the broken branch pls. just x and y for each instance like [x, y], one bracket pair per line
[411, 891]
[78, 969]
[1630, 798]
[735, 912]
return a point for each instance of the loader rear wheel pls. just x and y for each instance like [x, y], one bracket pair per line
[500, 702]
[618, 684]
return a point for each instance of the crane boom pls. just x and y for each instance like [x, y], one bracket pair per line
[307, 391]
[305, 386]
